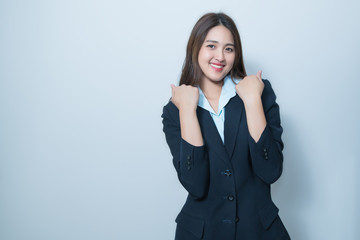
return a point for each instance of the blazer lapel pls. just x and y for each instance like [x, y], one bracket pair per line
[233, 112]
[211, 134]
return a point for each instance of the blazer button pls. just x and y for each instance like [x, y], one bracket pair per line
[230, 197]
[265, 154]
[188, 157]
[236, 219]
[227, 172]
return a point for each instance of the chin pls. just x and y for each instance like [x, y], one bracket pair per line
[217, 78]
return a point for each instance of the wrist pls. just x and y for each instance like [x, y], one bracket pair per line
[251, 100]
[187, 109]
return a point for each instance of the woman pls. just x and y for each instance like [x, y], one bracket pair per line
[223, 130]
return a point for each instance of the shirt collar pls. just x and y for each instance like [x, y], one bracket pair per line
[227, 92]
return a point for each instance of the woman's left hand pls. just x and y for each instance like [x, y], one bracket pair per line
[250, 87]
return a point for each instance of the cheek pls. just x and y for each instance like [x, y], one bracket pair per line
[231, 61]
[204, 55]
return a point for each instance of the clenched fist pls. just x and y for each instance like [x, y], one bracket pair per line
[185, 96]
[250, 87]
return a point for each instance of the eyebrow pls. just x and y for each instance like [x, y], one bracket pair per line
[213, 41]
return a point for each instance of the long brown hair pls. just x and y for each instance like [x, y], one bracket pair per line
[191, 72]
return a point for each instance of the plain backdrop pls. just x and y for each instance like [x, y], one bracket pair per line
[82, 86]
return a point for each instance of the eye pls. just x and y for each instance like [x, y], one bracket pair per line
[210, 46]
[229, 49]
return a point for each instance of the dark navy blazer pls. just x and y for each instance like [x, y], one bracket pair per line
[228, 183]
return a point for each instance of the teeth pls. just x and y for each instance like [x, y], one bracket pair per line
[216, 66]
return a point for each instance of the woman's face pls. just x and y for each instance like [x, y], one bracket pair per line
[217, 54]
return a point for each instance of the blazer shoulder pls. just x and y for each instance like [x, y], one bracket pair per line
[171, 111]
[268, 96]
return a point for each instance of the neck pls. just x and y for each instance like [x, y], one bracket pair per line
[211, 89]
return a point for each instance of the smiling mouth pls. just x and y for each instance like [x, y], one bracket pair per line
[217, 67]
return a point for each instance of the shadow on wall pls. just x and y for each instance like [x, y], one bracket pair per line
[293, 191]
[357, 194]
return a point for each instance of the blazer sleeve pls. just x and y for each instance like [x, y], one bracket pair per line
[266, 154]
[191, 162]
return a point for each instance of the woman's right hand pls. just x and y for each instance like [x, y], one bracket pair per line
[185, 96]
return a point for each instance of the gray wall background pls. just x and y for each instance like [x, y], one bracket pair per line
[82, 85]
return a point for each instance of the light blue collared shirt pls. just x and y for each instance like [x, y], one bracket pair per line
[227, 92]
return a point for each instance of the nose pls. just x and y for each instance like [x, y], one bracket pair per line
[220, 55]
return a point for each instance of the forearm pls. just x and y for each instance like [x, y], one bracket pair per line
[255, 117]
[190, 127]
[191, 162]
[265, 144]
